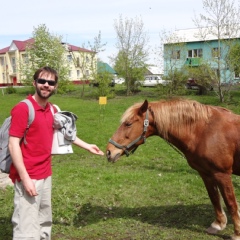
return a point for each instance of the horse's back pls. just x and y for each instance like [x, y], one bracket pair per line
[218, 144]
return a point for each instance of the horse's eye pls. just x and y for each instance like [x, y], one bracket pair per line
[128, 124]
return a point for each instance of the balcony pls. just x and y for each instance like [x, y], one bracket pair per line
[193, 62]
[13, 70]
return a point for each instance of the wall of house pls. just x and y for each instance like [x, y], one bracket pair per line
[82, 67]
[171, 63]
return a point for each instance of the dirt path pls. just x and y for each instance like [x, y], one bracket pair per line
[5, 180]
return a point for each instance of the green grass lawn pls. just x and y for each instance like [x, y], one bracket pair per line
[151, 195]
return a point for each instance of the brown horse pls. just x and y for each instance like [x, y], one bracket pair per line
[208, 136]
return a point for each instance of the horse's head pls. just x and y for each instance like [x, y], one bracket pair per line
[137, 124]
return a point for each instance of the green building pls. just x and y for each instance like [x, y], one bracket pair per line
[193, 47]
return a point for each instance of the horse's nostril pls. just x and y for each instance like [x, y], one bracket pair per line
[108, 153]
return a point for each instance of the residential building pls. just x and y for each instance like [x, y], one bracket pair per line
[188, 47]
[81, 63]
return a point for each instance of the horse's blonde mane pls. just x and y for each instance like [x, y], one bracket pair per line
[130, 112]
[177, 114]
[180, 114]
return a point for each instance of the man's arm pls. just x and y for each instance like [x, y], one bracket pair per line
[89, 147]
[16, 154]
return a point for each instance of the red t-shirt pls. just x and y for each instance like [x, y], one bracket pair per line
[37, 152]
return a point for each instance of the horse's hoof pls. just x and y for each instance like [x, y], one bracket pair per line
[234, 237]
[214, 228]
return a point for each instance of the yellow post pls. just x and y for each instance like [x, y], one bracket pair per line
[102, 100]
[102, 103]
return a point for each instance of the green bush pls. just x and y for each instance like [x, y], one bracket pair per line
[11, 90]
[65, 87]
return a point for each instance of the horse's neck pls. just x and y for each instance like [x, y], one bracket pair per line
[177, 139]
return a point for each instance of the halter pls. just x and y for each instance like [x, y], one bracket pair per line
[126, 148]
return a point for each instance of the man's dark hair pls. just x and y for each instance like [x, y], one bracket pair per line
[47, 70]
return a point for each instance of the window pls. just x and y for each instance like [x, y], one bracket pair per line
[87, 72]
[87, 59]
[25, 58]
[69, 58]
[3, 76]
[78, 62]
[175, 54]
[70, 73]
[236, 74]
[13, 61]
[2, 61]
[194, 53]
[216, 52]
[78, 73]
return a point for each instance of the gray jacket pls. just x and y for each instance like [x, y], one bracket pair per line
[64, 122]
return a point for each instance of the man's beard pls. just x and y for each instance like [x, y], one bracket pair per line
[46, 95]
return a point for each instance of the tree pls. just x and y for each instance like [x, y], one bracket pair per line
[87, 62]
[172, 51]
[46, 50]
[132, 40]
[220, 21]
[97, 45]
[234, 58]
[103, 78]
[204, 75]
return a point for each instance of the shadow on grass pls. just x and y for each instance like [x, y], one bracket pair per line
[192, 217]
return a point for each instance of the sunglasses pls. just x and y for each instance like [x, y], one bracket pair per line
[43, 81]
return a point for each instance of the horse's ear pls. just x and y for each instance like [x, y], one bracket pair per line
[143, 108]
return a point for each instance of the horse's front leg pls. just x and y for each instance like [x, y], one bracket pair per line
[213, 193]
[225, 186]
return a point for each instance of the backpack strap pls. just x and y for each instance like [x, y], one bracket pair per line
[31, 116]
[57, 108]
[31, 111]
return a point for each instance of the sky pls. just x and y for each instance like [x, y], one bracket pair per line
[79, 22]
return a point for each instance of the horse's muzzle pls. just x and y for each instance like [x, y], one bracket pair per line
[112, 159]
